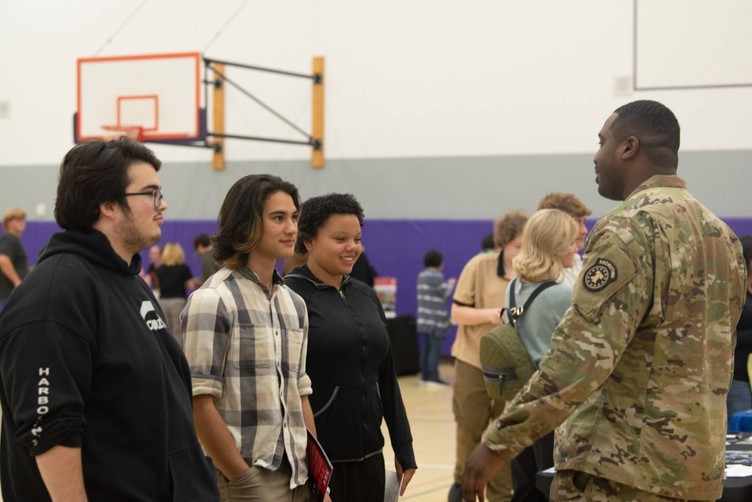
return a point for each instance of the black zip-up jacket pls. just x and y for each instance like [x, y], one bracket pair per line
[351, 367]
[86, 361]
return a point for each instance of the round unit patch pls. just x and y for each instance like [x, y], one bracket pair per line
[599, 275]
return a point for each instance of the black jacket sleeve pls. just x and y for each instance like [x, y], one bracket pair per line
[395, 414]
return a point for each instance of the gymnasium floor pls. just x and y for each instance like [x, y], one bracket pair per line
[430, 412]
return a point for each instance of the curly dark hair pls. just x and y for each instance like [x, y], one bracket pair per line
[317, 210]
[240, 218]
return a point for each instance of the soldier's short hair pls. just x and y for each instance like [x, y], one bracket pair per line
[652, 123]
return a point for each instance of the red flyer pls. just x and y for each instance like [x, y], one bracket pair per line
[319, 468]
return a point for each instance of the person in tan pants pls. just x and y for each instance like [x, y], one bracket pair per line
[476, 307]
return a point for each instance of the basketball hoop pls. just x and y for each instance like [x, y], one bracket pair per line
[134, 132]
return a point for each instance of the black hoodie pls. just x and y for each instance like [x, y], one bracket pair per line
[86, 361]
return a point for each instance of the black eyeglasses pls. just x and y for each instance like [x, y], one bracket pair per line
[157, 195]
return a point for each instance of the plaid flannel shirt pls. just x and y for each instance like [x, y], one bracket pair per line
[247, 348]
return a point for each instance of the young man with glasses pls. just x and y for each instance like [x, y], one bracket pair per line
[95, 391]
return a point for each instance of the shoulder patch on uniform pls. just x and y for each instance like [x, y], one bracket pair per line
[599, 275]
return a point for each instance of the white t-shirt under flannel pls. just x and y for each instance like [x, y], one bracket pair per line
[248, 349]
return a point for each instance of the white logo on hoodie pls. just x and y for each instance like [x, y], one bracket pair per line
[153, 321]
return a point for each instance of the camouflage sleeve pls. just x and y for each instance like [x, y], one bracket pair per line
[609, 300]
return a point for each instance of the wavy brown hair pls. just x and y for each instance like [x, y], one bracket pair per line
[240, 219]
[565, 201]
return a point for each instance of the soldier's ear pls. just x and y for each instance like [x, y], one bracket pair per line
[630, 147]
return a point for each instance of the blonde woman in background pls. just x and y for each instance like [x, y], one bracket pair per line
[549, 245]
[175, 279]
[572, 205]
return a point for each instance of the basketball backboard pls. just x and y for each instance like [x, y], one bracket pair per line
[157, 94]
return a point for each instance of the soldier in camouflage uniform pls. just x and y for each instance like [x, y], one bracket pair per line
[642, 361]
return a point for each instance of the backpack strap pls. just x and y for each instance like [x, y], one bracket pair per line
[515, 312]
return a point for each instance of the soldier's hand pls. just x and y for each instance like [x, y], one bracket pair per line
[479, 468]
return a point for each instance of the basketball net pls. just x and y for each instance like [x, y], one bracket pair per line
[134, 132]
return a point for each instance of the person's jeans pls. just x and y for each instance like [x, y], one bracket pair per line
[429, 357]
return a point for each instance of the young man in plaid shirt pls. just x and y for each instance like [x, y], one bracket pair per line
[245, 336]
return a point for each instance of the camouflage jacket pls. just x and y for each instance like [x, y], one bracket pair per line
[642, 361]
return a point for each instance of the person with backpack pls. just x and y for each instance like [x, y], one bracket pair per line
[549, 243]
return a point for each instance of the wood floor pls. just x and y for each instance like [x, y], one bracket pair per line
[432, 423]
